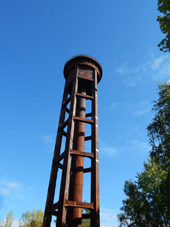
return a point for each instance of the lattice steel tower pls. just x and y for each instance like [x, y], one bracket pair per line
[82, 74]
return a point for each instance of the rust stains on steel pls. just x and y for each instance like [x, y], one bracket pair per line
[82, 74]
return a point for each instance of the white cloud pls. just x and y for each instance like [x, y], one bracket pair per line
[163, 73]
[107, 150]
[132, 146]
[6, 187]
[139, 112]
[114, 104]
[157, 62]
[108, 218]
[137, 146]
[19, 196]
[12, 185]
[123, 70]
[127, 72]
[4, 191]
[47, 139]
[143, 107]
[150, 69]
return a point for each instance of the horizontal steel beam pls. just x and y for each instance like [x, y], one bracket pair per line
[81, 119]
[87, 78]
[88, 114]
[75, 204]
[85, 96]
[88, 138]
[80, 153]
[87, 170]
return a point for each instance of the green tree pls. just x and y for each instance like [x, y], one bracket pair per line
[144, 205]
[147, 202]
[8, 221]
[85, 222]
[159, 129]
[32, 219]
[159, 135]
[164, 22]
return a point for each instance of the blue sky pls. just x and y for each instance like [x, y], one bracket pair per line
[36, 40]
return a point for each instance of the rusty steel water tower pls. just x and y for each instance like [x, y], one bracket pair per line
[82, 74]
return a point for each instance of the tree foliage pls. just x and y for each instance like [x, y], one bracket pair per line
[159, 129]
[145, 205]
[8, 221]
[147, 202]
[85, 222]
[164, 22]
[32, 219]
